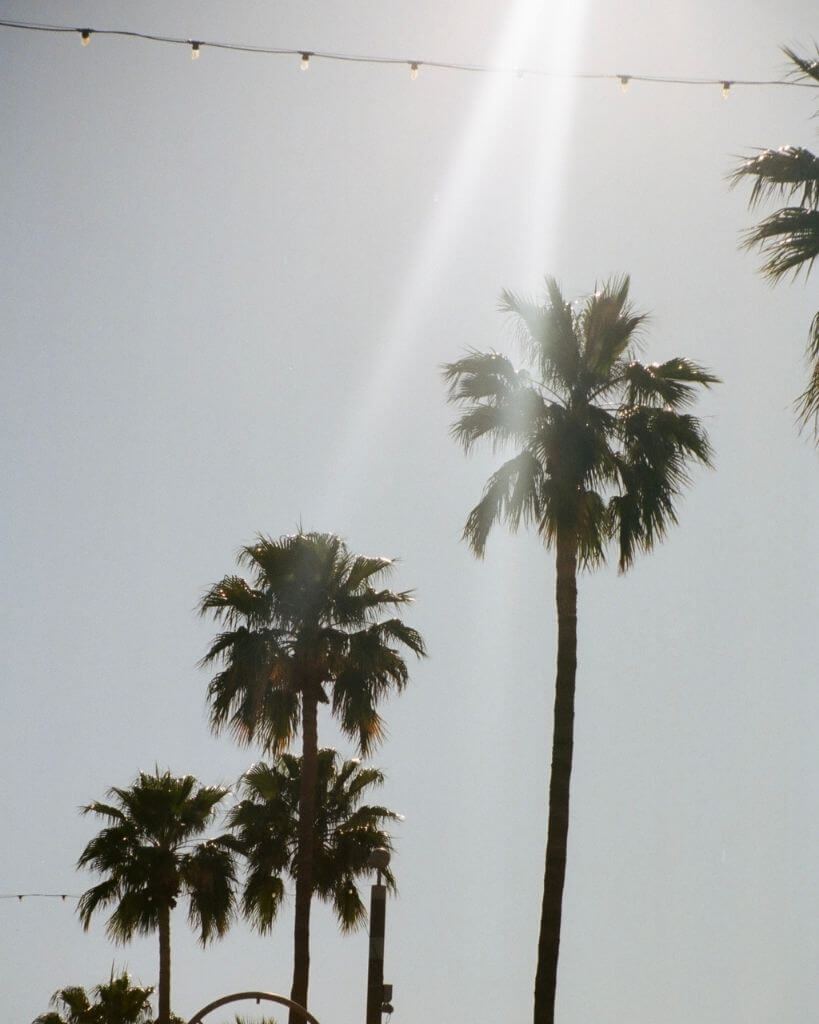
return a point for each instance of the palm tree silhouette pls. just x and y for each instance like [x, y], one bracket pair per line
[306, 630]
[148, 855]
[602, 446]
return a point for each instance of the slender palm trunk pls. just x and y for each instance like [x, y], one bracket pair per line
[562, 745]
[304, 855]
[164, 988]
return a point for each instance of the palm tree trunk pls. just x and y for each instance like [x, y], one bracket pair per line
[164, 988]
[562, 746]
[304, 855]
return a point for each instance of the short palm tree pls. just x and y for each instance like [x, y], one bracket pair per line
[307, 629]
[266, 827]
[116, 1001]
[788, 239]
[149, 857]
[602, 445]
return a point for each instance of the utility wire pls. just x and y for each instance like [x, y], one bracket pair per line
[197, 45]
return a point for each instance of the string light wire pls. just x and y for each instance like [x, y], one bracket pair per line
[521, 72]
[38, 895]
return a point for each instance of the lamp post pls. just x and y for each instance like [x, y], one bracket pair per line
[379, 859]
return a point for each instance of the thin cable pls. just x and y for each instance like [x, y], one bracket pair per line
[215, 44]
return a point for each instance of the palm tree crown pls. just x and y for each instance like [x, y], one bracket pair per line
[788, 239]
[117, 1001]
[602, 448]
[309, 618]
[603, 441]
[149, 859]
[265, 824]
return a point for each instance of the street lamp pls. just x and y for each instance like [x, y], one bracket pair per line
[378, 994]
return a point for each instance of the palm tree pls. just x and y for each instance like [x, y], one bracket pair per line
[71, 1006]
[788, 239]
[266, 826]
[148, 855]
[308, 621]
[602, 446]
[117, 1002]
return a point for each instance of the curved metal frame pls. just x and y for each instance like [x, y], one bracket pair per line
[271, 997]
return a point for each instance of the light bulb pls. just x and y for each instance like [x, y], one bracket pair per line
[624, 80]
[85, 36]
[194, 51]
[305, 61]
[413, 70]
[726, 88]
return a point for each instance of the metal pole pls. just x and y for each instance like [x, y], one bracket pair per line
[375, 971]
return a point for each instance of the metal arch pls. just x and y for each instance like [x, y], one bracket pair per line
[271, 997]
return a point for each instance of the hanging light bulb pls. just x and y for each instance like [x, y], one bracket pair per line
[414, 70]
[85, 36]
[624, 80]
[305, 61]
[726, 88]
[194, 51]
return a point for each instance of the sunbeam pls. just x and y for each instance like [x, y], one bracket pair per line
[552, 107]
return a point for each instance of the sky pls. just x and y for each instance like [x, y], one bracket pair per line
[228, 289]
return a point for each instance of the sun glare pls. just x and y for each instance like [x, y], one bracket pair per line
[551, 104]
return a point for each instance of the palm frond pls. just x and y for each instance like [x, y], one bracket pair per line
[805, 67]
[354, 704]
[104, 811]
[658, 447]
[500, 402]
[479, 375]
[788, 240]
[592, 529]
[97, 896]
[263, 897]
[665, 384]
[349, 907]
[807, 405]
[609, 326]
[259, 676]
[208, 874]
[780, 173]
[512, 494]
[363, 569]
[353, 608]
[234, 601]
[546, 333]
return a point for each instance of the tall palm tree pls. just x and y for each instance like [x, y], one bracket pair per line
[308, 622]
[788, 239]
[116, 1001]
[266, 826]
[602, 447]
[149, 858]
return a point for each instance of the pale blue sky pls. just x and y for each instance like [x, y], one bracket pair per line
[227, 289]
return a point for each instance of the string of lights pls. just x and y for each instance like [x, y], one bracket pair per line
[20, 896]
[306, 57]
